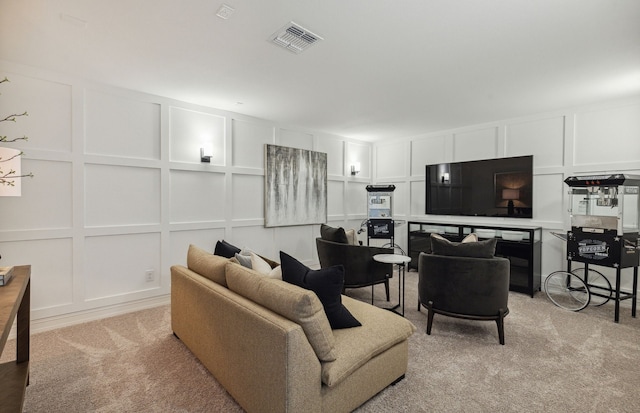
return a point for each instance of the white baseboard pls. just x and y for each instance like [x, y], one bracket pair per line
[66, 320]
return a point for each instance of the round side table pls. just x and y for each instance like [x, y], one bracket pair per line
[400, 261]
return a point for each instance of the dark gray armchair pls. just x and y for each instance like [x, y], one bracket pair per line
[464, 287]
[360, 270]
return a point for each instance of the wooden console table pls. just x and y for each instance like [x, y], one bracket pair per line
[15, 300]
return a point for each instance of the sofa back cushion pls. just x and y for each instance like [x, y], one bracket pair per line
[290, 301]
[206, 264]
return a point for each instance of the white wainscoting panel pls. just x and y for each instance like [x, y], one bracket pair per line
[417, 203]
[360, 153]
[248, 140]
[547, 198]
[46, 200]
[356, 198]
[51, 269]
[428, 151]
[334, 148]
[400, 197]
[180, 241]
[475, 144]
[119, 126]
[258, 239]
[607, 136]
[335, 198]
[197, 196]
[391, 160]
[295, 139]
[297, 241]
[48, 104]
[247, 192]
[190, 130]
[544, 139]
[121, 195]
[116, 264]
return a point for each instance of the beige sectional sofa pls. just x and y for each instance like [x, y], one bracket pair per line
[269, 342]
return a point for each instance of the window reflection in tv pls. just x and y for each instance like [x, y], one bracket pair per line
[500, 187]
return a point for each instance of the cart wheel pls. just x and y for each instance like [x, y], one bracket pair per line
[599, 286]
[567, 290]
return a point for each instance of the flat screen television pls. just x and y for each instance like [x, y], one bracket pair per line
[500, 187]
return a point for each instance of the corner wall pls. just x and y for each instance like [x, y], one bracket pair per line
[579, 141]
[119, 191]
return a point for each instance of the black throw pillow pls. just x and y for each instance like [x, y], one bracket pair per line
[224, 249]
[333, 234]
[478, 249]
[326, 283]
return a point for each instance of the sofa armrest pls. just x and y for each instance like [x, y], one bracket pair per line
[262, 359]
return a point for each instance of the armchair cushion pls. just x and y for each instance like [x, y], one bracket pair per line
[327, 283]
[479, 249]
[333, 234]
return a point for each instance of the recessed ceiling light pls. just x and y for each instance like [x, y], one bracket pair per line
[225, 11]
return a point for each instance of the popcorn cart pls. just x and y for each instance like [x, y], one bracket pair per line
[605, 211]
[380, 223]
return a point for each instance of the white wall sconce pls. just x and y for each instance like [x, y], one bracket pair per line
[445, 178]
[206, 152]
[355, 168]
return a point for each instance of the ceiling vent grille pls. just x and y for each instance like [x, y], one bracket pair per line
[294, 38]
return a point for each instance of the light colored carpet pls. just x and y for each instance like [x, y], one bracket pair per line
[553, 361]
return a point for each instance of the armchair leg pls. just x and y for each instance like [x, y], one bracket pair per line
[500, 323]
[430, 314]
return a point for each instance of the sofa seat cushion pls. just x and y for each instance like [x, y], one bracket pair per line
[297, 304]
[206, 264]
[381, 330]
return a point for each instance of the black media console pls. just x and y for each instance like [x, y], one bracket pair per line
[520, 244]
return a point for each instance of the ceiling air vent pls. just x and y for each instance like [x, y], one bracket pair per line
[294, 38]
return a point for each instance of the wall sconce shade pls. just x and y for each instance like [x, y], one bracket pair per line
[355, 168]
[206, 152]
[10, 172]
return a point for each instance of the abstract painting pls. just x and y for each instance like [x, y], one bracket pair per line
[295, 186]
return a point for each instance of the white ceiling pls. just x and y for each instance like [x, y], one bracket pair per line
[385, 69]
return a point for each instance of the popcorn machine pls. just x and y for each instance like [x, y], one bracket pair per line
[605, 226]
[380, 223]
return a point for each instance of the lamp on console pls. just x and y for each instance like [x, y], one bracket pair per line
[510, 195]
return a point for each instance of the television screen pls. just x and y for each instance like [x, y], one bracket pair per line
[491, 187]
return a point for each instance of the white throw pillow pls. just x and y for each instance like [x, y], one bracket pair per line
[352, 237]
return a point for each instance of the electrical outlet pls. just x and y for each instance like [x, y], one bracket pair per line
[150, 275]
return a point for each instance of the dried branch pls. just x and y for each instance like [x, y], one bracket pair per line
[12, 118]
[7, 140]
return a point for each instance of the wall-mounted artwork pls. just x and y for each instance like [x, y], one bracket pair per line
[295, 186]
